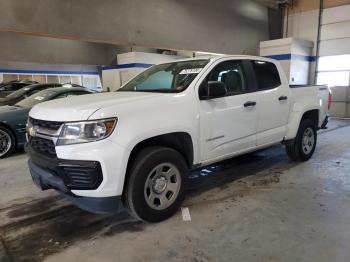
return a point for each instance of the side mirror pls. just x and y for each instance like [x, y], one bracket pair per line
[213, 89]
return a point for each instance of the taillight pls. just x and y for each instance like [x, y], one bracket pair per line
[329, 100]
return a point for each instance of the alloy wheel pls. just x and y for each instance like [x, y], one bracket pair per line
[5, 143]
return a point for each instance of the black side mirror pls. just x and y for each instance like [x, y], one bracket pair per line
[213, 89]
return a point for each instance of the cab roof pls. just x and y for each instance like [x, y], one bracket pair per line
[217, 57]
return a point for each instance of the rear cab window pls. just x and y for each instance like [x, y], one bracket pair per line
[267, 75]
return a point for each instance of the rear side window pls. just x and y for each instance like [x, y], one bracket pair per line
[267, 75]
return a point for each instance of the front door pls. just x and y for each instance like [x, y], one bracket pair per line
[228, 124]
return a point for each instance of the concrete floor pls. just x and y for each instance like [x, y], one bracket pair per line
[260, 207]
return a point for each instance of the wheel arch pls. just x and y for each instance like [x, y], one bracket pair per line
[313, 115]
[296, 119]
[179, 141]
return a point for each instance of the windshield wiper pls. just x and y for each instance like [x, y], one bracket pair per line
[160, 90]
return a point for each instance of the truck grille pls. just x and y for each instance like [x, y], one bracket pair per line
[43, 146]
[46, 124]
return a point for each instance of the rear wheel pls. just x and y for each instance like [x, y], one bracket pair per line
[303, 146]
[7, 142]
[156, 184]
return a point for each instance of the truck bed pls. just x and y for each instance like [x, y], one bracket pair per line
[308, 93]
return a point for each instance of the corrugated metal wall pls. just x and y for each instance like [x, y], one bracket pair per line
[335, 31]
[334, 41]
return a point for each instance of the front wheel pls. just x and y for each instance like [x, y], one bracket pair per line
[156, 184]
[303, 146]
[7, 142]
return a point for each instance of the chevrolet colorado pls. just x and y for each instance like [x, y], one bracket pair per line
[136, 146]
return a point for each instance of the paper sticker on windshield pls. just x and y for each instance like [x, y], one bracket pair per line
[39, 98]
[26, 88]
[190, 71]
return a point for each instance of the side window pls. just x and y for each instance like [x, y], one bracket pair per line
[231, 73]
[267, 75]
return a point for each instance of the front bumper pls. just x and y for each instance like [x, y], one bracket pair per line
[52, 174]
[112, 158]
[74, 174]
[45, 179]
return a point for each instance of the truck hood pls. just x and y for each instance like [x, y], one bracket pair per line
[82, 107]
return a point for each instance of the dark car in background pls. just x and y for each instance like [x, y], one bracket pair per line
[13, 119]
[28, 91]
[7, 88]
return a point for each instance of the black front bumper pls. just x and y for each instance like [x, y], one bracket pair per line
[54, 173]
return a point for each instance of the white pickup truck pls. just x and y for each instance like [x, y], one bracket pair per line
[135, 147]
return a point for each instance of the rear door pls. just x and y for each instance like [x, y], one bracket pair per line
[273, 103]
[228, 124]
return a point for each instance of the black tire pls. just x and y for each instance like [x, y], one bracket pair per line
[4, 132]
[294, 149]
[140, 172]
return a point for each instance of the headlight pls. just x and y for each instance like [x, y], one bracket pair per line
[29, 130]
[88, 131]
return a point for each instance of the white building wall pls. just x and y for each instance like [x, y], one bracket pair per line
[293, 54]
[334, 40]
[302, 25]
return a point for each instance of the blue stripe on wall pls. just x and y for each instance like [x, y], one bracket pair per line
[131, 65]
[293, 57]
[280, 57]
[45, 72]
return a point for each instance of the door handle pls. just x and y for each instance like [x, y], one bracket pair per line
[249, 104]
[282, 98]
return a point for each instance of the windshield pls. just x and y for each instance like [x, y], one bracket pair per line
[172, 77]
[36, 98]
